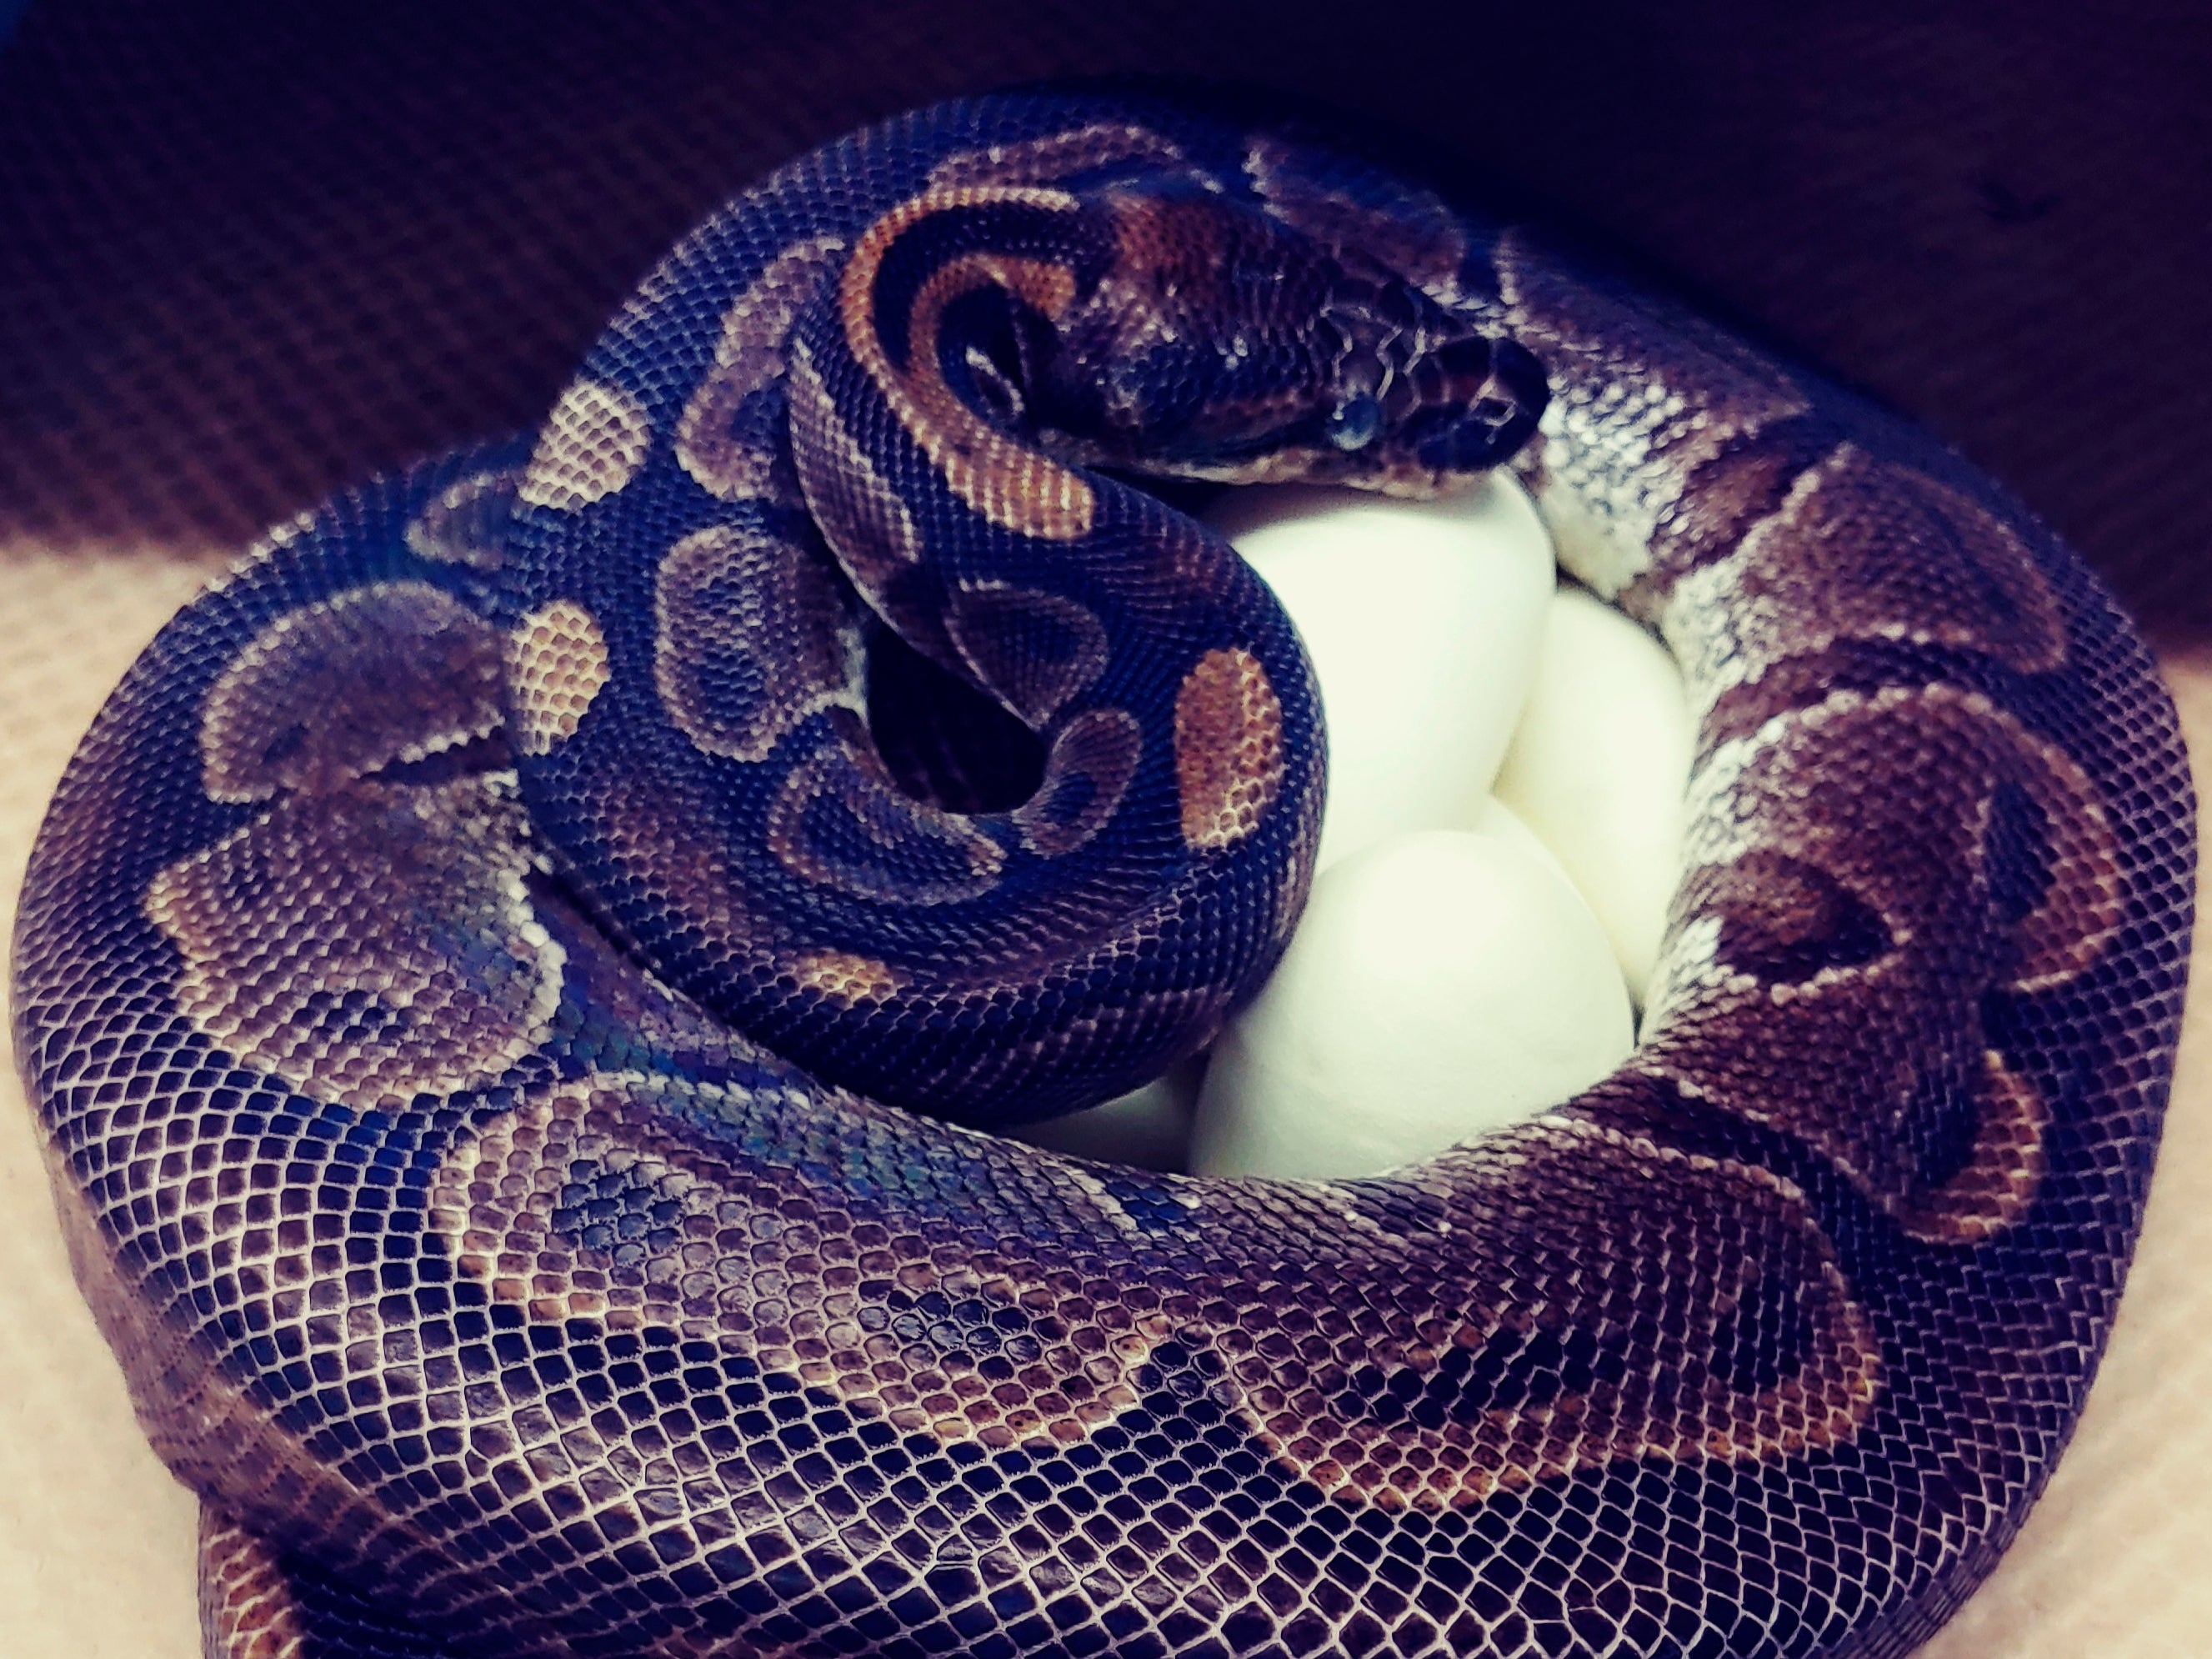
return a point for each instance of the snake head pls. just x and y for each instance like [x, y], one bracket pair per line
[1218, 342]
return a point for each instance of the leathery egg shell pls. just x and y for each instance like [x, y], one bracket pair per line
[1440, 984]
[1423, 620]
[1600, 769]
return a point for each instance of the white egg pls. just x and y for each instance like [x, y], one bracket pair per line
[1424, 620]
[1599, 769]
[1440, 984]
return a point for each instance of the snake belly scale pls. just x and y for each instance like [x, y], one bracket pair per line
[506, 1018]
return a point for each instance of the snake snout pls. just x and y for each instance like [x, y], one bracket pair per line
[1480, 399]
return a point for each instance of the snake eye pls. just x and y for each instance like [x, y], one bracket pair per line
[1353, 424]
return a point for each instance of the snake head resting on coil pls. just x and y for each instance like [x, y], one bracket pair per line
[1327, 373]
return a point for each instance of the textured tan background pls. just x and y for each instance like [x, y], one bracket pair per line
[248, 252]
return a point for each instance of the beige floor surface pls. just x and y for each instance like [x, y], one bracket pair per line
[96, 1541]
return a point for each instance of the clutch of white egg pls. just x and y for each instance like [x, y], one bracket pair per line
[1508, 759]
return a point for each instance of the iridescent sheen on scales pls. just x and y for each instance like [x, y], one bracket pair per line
[502, 997]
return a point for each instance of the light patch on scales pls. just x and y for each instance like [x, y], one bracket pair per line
[593, 443]
[557, 666]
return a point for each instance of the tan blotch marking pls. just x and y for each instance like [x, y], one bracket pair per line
[783, 1295]
[1615, 465]
[860, 514]
[368, 944]
[1865, 550]
[1100, 746]
[556, 665]
[1057, 155]
[345, 686]
[465, 525]
[1578, 1229]
[844, 977]
[751, 355]
[2002, 1174]
[592, 445]
[1417, 236]
[1228, 747]
[1014, 486]
[2082, 906]
[749, 639]
[249, 1607]
[1003, 632]
[1841, 1039]
[926, 855]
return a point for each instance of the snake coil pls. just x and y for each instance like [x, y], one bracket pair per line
[471, 973]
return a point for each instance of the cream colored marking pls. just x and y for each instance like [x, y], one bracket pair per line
[727, 589]
[436, 671]
[858, 510]
[1288, 1398]
[1105, 745]
[557, 666]
[752, 354]
[1228, 748]
[367, 945]
[977, 607]
[1057, 155]
[592, 445]
[1016, 488]
[845, 978]
[1623, 436]
[492, 1199]
[458, 527]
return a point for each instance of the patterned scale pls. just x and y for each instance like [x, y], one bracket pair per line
[476, 971]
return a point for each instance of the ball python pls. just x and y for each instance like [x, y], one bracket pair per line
[519, 981]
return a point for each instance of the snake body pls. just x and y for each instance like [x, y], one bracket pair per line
[475, 973]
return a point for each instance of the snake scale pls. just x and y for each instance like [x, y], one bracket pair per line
[518, 979]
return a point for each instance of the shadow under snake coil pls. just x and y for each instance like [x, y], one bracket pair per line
[476, 968]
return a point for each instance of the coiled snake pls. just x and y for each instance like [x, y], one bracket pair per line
[473, 970]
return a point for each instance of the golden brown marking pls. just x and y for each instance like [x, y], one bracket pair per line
[946, 858]
[1101, 746]
[557, 666]
[859, 513]
[335, 690]
[2002, 1173]
[247, 1607]
[368, 944]
[1014, 486]
[749, 639]
[493, 1201]
[1865, 550]
[994, 627]
[1586, 1225]
[1863, 968]
[751, 355]
[1228, 747]
[2082, 907]
[844, 977]
[463, 526]
[592, 444]
[1057, 155]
